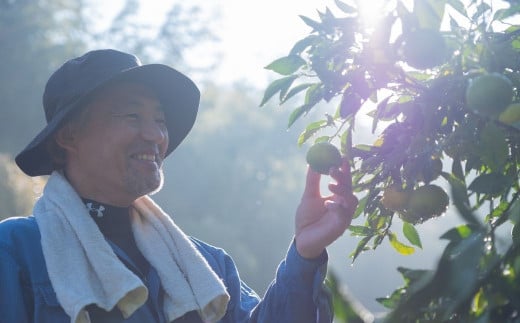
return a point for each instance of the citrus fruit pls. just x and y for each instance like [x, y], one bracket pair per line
[511, 114]
[322, 156]
[394, 198]
[425, 202]
[489, 94]
[431, 170]
[424, 48]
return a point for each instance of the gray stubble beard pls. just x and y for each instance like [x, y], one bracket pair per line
[147, 186]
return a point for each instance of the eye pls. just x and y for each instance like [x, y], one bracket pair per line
[132, 116]
[161, 120]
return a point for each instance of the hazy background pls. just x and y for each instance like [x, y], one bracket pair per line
[237, 179]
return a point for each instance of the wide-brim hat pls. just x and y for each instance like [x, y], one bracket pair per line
[71, 85]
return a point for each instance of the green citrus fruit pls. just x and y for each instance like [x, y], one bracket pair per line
[489, 94]
[322, 156]
[394, 198]
[431, 170]
[424, 48]
[511, 114]
[425, 202]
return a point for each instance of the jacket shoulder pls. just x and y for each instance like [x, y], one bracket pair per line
[216, 257]
[210, 252]
[18, 231]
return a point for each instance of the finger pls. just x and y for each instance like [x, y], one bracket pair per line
[342, 175]
[341, 190]
[345, 212]
[312, 184]
[350, 203]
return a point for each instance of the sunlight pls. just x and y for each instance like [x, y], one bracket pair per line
[371, 11]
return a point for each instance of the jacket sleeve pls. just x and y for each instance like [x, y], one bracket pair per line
[13, 307]
[296, 295]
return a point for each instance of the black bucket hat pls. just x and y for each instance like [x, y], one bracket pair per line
[70, 86]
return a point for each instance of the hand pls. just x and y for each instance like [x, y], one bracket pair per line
[320, 220]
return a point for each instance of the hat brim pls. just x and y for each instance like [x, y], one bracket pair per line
[177, 93]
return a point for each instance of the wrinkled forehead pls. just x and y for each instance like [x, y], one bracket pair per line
[126, 95]
[123, 89]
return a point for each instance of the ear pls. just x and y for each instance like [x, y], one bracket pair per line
[65, 137]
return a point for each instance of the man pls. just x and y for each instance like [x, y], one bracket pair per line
[98, 249]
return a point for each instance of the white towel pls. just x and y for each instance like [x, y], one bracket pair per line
[84, 270]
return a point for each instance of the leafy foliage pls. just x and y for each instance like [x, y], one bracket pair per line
[347, 308]
[424, 122]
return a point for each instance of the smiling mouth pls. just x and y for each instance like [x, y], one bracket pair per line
[145, 157]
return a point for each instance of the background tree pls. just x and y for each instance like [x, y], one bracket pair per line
[38, 36]
[439, 81]
[17, 191]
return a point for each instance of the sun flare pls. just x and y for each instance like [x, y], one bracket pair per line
[370, 12]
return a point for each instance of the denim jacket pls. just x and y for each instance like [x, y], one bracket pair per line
[296, 295]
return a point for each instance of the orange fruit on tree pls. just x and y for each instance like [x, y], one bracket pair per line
[322, 156]
[425, 202]
[394, 198]
[489, 94]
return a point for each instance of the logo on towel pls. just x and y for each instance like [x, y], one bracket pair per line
[95, 211]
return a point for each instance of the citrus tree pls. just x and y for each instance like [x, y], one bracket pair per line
[439, 81]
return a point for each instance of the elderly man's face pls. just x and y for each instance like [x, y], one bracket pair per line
[117, 154]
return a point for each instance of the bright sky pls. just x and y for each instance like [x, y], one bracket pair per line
[256, 32]
[252, 33]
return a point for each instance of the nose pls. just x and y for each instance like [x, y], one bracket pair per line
[154, 131]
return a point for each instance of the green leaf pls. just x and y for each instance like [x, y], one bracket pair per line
[493, 147]
[345, 7]
[459, 6]
[514, 212]
[316, 26]
[313, 95]
[286, 65]
[361, 246]
[429, 13]
[417, 277]
[302, 44]
[503, 14]
[276, 86]
[380, 111]
[459, 267]
[399, 246]
[358, 230]
[460, 198]
[411, 234]
[458, 233]
[350, 104]
[310, 130]
[295, 90]
[346, 306]
[456, 168]
[297, 113]
[361, 206]
[482, 8]
[515, 234]
[492, 183]
[479, 303]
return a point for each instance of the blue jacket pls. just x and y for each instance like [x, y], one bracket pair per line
[296, 295]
